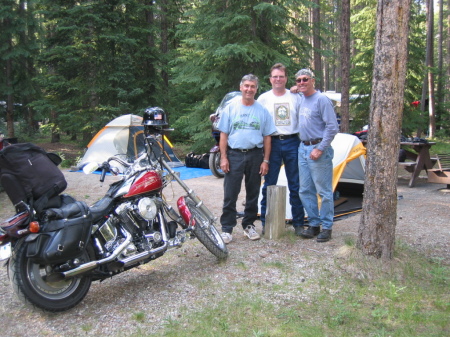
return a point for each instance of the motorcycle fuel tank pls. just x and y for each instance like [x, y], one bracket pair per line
[148, 182]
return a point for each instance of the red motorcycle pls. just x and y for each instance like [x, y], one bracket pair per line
[57, 253]
[214, 152]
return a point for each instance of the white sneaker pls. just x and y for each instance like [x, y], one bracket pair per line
[226, 237]
[251, 233]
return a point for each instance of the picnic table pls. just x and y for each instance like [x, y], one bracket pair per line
[419, 160]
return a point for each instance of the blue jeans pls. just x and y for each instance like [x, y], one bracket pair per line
[284, 151]
[316, 177]
[242, 164]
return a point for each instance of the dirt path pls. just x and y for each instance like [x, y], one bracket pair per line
[164, 288]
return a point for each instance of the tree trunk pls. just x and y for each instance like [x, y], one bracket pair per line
[149, 17]
[164, 39]
[345, 66]
[9, 87]
[317, 47]
[376, 234]
[430, 65]
[447, 86]
[440, 82]
[56, 137]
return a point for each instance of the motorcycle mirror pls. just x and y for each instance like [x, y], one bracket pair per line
[90, 168]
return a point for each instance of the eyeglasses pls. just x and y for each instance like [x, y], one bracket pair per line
[278, 77]
[304, 79]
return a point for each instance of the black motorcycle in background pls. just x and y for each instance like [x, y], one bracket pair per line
[214, 152]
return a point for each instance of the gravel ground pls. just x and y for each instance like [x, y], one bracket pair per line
[190, 276]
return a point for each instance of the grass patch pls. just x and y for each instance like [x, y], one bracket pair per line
[361, 296]
[441, 146]
[139, 316]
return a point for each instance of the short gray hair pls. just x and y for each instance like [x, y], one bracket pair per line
[250, 77]
[305, 72]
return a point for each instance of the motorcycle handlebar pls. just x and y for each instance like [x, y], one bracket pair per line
[104, 168]
[120, 161]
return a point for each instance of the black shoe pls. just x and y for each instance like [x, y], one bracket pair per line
[310, 232]
[324, 236]
[298, 230]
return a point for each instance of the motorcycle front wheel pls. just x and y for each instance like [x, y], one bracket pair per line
[206, 233]
[214, 165]
[29, 282]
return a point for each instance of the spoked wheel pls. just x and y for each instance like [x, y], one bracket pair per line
[29, 282]
[214, 165]
[206, 233]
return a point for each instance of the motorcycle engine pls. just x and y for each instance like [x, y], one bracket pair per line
[138, 217]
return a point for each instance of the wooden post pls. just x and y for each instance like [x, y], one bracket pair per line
[276, 212]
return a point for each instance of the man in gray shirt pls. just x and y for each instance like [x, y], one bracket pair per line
[318, 126]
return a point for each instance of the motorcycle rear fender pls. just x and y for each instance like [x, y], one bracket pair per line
[185, 212]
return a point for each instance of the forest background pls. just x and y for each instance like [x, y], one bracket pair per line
[70, 67]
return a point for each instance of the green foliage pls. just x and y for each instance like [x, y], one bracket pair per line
[441, 146]
[18, 48]
[363, 21]
[221, 42]
[78, 65]
[101, 60]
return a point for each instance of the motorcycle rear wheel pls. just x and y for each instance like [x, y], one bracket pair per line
[29, 283]
[206, 233]
[214, 165]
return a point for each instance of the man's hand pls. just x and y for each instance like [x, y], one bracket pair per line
[264, 168]
[315, 154]
[224, 164]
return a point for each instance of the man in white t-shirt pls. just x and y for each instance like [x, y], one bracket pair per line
[282, 105]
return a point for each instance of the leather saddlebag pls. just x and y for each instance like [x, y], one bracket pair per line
[64, 236]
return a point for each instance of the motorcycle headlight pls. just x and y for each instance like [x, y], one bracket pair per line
[147, 208]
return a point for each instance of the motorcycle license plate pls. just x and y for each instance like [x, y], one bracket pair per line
[5, 252]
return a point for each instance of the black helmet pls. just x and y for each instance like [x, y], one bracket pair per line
[155, 116]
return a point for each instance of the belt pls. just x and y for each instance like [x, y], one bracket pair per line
[244, 150]
[312, 141]
[283, 137]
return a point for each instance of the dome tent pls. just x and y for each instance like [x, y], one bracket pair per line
[348, 167]
[124, 136]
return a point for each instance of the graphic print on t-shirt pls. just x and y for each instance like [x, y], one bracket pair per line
[246, 121]
[282, 114]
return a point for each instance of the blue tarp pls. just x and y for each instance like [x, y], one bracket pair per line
[185, 172]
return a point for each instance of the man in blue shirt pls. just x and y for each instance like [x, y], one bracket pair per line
[318, 126]
[245, 145]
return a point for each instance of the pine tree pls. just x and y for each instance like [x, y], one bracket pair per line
[223, 41]
[18, 46]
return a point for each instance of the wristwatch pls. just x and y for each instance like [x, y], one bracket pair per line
[266, 161]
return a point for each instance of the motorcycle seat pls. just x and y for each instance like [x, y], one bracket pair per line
[101, 208]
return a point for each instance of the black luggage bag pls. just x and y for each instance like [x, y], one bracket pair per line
[29, 174]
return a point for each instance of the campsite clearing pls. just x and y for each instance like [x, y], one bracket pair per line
[188, 283]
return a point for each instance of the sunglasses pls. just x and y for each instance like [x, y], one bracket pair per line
[304, 79]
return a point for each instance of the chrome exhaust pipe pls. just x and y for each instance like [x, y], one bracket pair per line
[121, 263]
[94, 264]
[142, 256]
